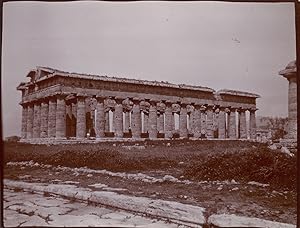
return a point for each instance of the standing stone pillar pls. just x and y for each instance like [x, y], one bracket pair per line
[252, 124]
[222, 123]
[173, 121]
[183, 132]
[242, 124]
[136, 121]
[74, 119]
[118, 120]
[30, 117]
[24, 121]
[60, 117]
[100, 118]
[68, 119]
[81, 118]
[37, 119]
[203, 119]
[44, 118]
[197, 121]
[292, 108]
[146, 122]
[52, 117]
[107, 121]
[209, 122]
[232, 124]
[169, 120]
[160, 122]
[191, 125]
[227, 111]
[127, 122]
[153, 120]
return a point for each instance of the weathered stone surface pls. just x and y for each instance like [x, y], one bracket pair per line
[222, 124]
[232, 124]
[152, 121]
[168, 121]
[106, 121]
[118, 120]
[100, 118]
[81, 118]
[183, 132]
[242, 124]
[44, 119]
[226, 220]
[37, 120]
[252, 124]
[127, 122]
[292, 109]
[160, 122]
[24, 121]
[60, 123]
[52, 117]
[136, 121]
[209, 122]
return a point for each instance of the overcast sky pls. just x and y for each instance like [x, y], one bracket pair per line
[238, 46]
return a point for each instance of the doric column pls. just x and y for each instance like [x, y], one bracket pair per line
[183, 132]
[37, 119]
[153, 120]
[292, 108]
[222, 123]
[60, 117]
[242, 124]
[146, 122]
[30, 116]
[52, 117]
[232, 124]
[197, 121]
[160, 122]
[100, 118]
[118, 118]
[203, 118]
[44, 118]
[127, 122]
[68, 118]
[24, 121]
[107, 121]
[169, 121]
[252, 124]
[81, 117]
[136, 121]
[191, 112]
[74, 119]
[209, 122]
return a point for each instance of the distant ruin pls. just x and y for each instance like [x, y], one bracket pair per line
[63, 105]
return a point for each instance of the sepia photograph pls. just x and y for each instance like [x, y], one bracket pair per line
[149, 114]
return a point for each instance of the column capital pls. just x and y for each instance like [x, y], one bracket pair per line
[100, 98]
[136, 100]
[119, 99]
[241, 109]
[168, 103]
[253, 110]
[153, 102]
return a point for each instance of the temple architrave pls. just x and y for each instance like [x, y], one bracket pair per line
[290, 73]
[58, 105]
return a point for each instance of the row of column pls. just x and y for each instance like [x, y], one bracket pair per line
[47, 118]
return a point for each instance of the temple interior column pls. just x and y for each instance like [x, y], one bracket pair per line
[118, 120]
[37, 119]
[60, 117]
[52, 118]
[252, 124]
[183, 132]
[30, 117]
[136, 121]
[44, 118]
[242, 124]
[203, 118]
[81, 118]
[209, 122]
[222, 123]
[152, 120]
[232, 124]
[24, 121]
[169, 120]
[197, 121]
[100, 118]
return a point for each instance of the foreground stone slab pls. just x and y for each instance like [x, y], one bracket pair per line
[173, 211]
[226, 220]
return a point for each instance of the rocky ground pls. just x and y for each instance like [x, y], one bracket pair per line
[160, 171]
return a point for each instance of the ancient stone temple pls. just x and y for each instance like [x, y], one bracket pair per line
[59, 105]
[290, 73]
